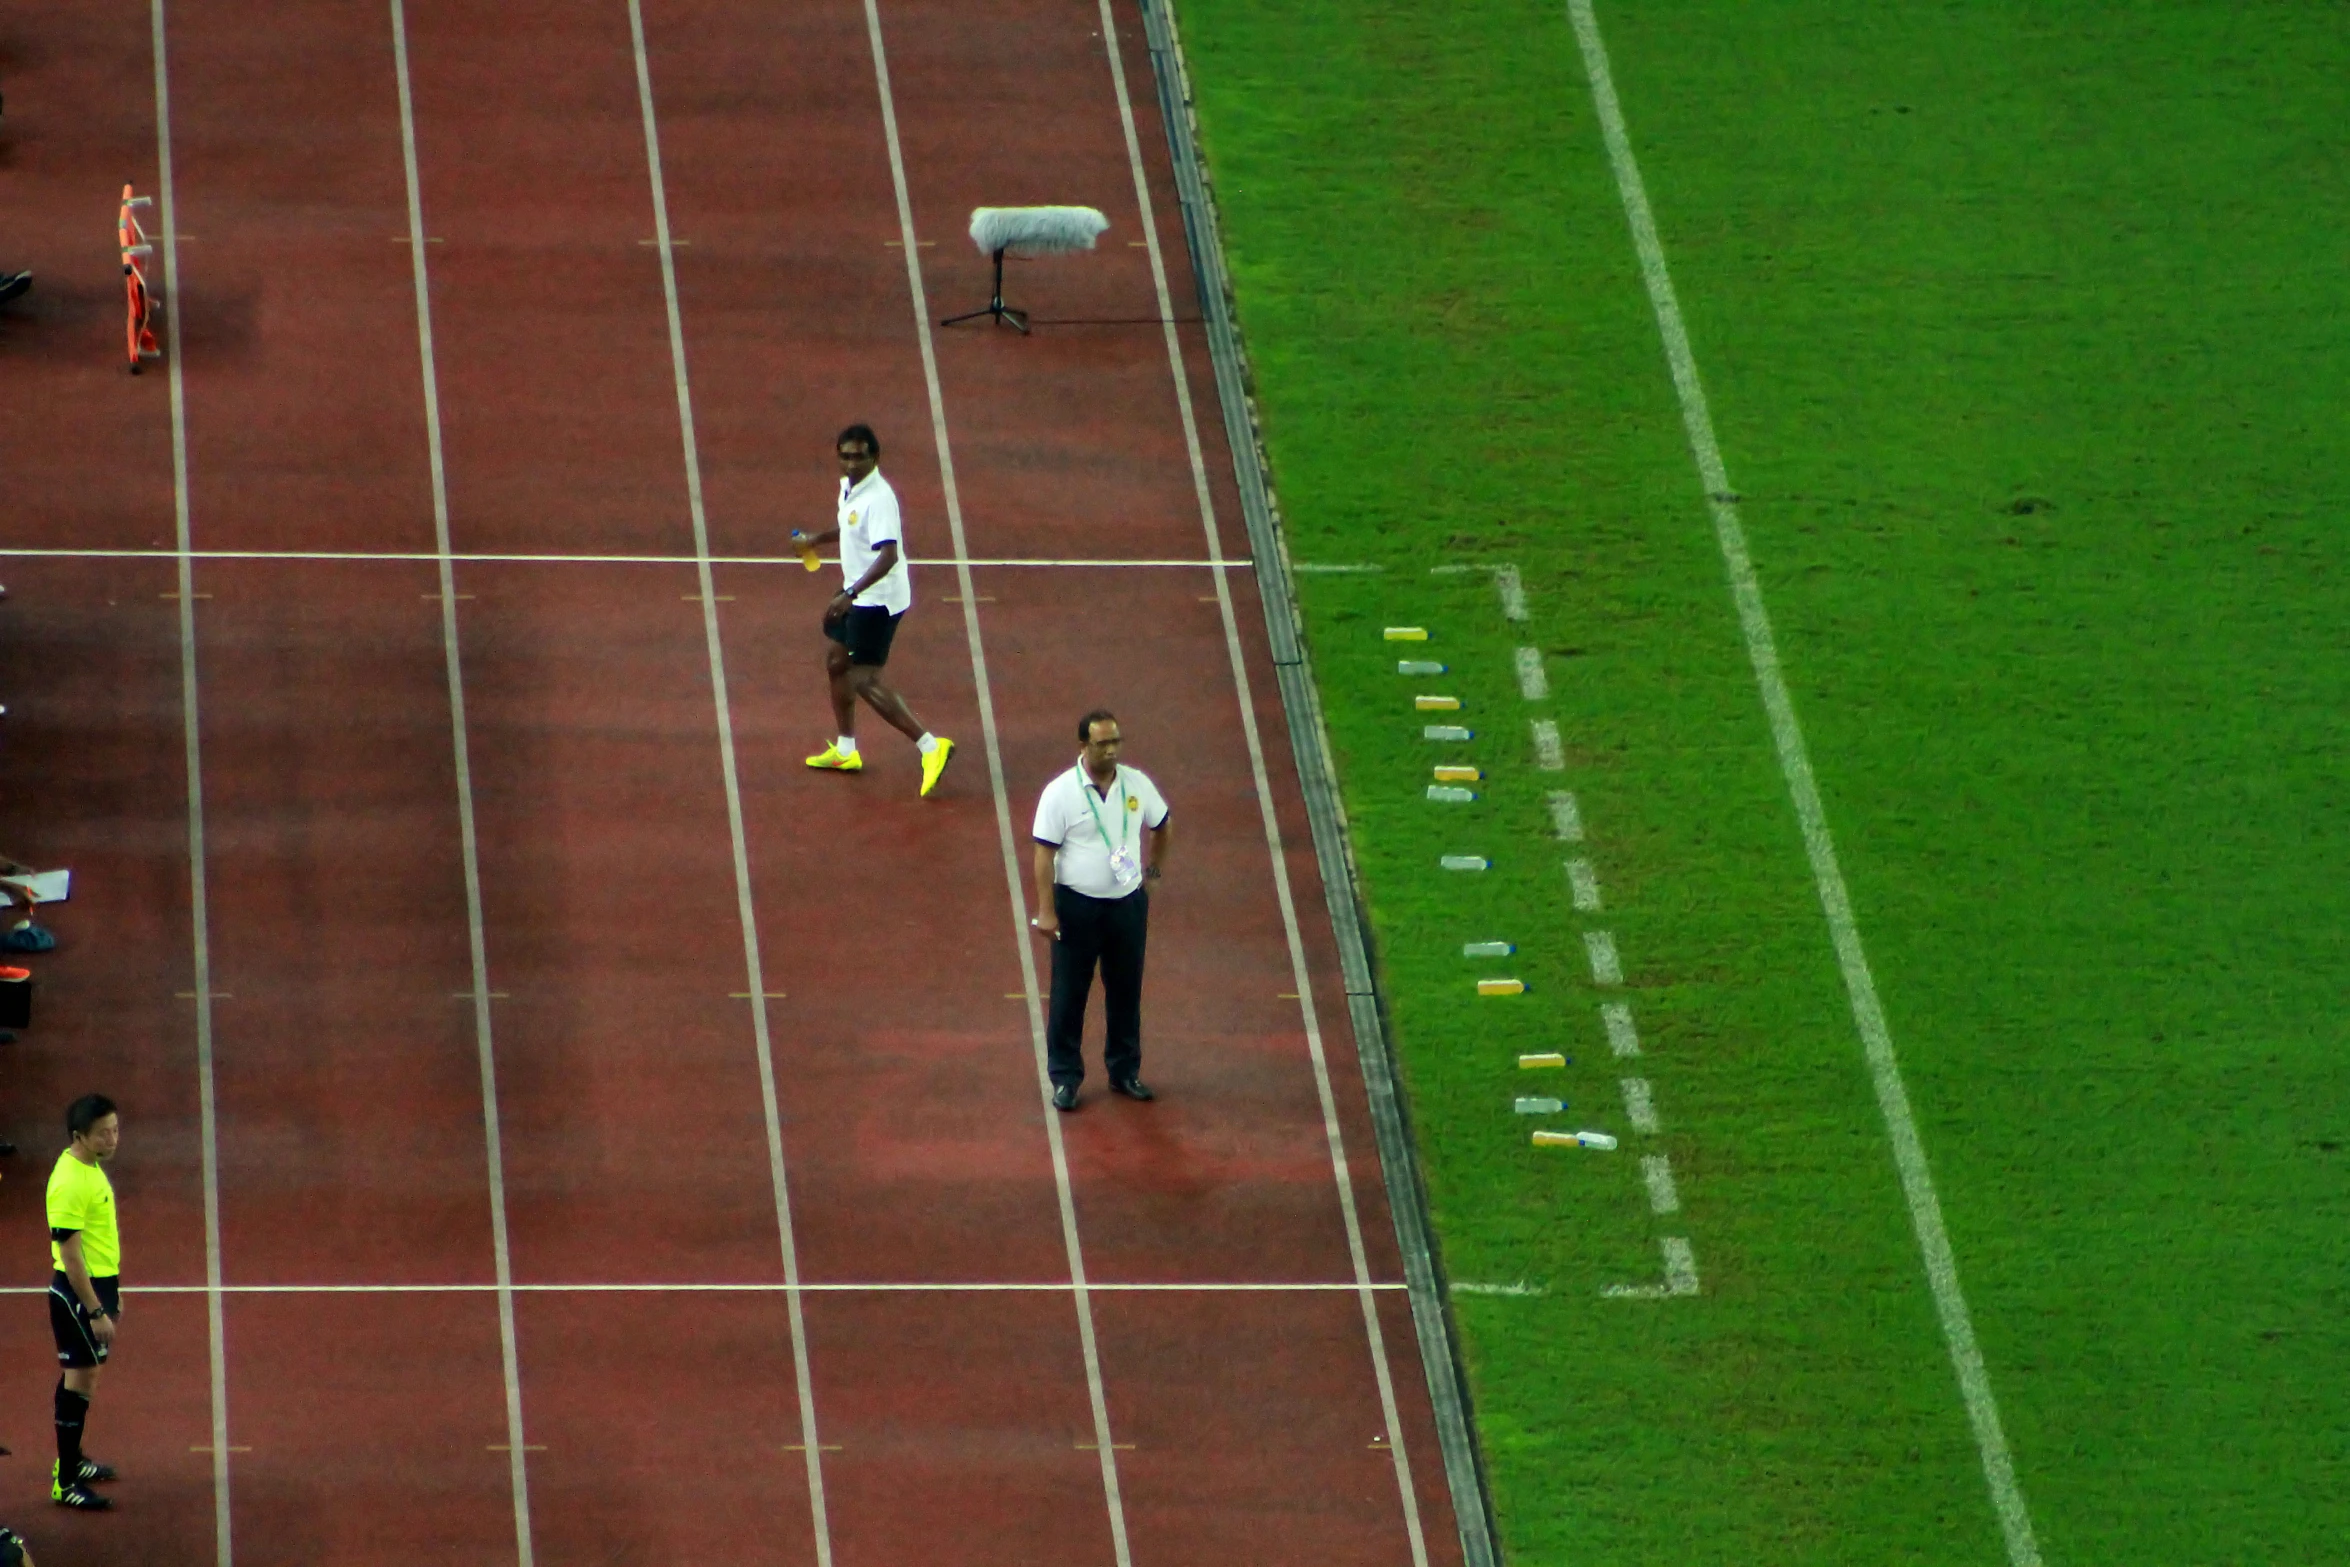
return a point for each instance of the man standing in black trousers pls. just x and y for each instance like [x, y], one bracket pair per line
[1092, 904]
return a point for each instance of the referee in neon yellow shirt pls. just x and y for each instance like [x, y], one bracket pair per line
[85, 1292]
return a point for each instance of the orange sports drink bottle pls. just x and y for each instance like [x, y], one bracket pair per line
[808, 556]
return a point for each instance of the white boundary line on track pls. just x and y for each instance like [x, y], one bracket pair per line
[200, 938]
[811, 1443]
[1044, 1287]
[477, 943]
[1015, 890]
[568, 560]
[1909, 1153]
[1300, 972]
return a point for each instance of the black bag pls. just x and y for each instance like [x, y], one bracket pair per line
[16, 998]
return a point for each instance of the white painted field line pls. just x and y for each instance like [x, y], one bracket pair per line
[485, 1046]
[1375, 1337]
[1680, 1274]
[1512, 589]
[529, 558]
[1015, 885]
[1657, 1170]
[1566, 819]
[1909, 1154]
[1533, 684]
[199, 905]
[1583, 886]
[1600, 947]
[1640, 1106]
[1622, 1038]
[865, 1287]
[754, 970]
[1549, 755]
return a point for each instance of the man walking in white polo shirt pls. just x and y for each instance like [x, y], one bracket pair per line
[862, 620]
[1090, 869]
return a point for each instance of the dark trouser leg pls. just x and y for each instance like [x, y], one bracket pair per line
[1127, 931]
[1074, 957]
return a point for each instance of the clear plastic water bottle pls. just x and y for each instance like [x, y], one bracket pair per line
[1531, 1105]
[1446, 732]
[1416, 666]
[1451, 794]
[1488, 949]
[1465, 862]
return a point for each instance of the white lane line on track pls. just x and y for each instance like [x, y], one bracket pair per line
[477, 943]
[811, 1443]
[200, 924]
[1374, 1336]
[532, 559]
[1031, 1287]
[1015, 889]
[1868, 1015]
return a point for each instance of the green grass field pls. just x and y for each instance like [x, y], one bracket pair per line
[2027, 336]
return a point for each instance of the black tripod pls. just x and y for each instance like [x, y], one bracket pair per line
[995, 307]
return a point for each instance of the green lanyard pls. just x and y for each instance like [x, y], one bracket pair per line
[1126, 823]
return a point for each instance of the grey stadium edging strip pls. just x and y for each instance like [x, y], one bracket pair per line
[1301, 704]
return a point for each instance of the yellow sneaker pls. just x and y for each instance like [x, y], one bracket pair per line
[934, 766]
[832, 760]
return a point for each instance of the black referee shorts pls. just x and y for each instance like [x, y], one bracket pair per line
[866, 631]
[76, 1345]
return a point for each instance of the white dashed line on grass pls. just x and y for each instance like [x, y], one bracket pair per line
[1680, 1274]
[1606, 968]
[1639, 1107]
[1622, 1038]
[1657, 1171]
[1549, 755]
[1566, 821]
[1583, 882]
[1512, 589]
[1533, 684]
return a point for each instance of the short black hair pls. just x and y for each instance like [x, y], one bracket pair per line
[862, 434]
[87, 1112]
[1085, 724]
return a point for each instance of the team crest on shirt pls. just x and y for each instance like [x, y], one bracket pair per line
[1133, 804]
[852, 519]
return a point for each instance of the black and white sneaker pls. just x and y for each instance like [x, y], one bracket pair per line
[78, 1497]
[94, 1472]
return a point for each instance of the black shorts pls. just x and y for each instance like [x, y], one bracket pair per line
[76, 1344]
[866, 631]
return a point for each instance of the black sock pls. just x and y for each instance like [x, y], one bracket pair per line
[72, 1410]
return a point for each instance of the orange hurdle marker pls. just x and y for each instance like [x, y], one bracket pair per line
[139, 304]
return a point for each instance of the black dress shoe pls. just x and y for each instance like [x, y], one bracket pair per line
[1133, 1088]
[1064, 1096]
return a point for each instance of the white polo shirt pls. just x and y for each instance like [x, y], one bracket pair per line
[1097, 833]
[868, 517]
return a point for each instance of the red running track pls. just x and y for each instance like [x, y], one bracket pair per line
[557, 1214]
